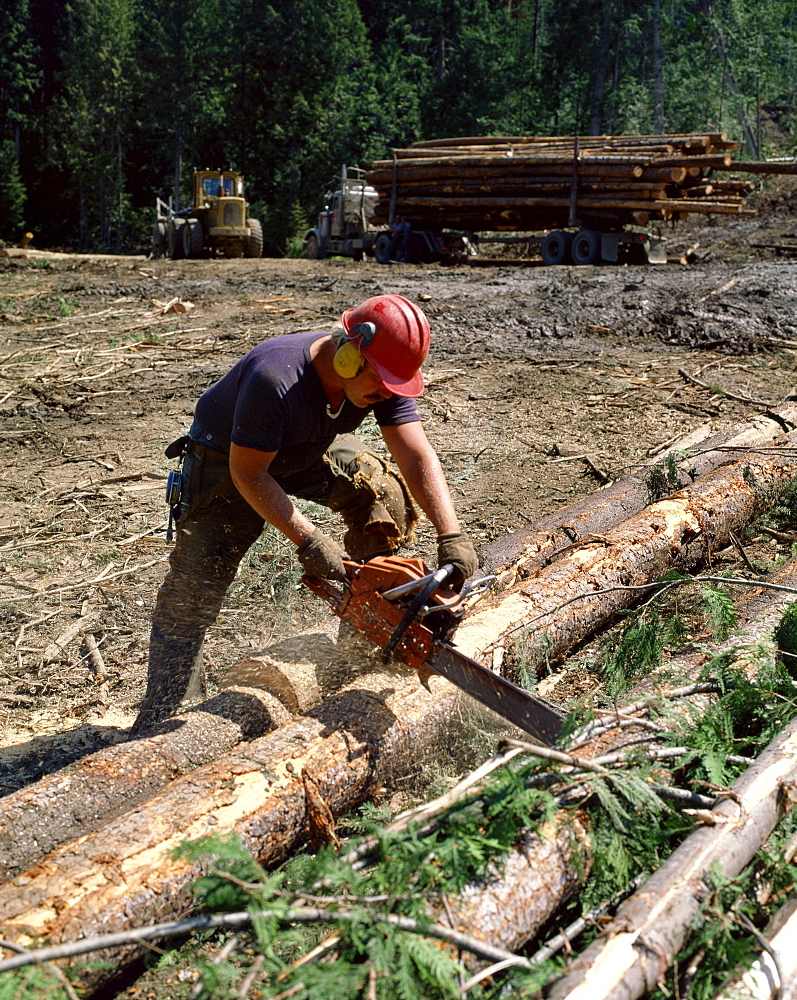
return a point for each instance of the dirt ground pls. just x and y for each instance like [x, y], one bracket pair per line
[531, 369]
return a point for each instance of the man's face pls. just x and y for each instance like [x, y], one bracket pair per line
[366, 388]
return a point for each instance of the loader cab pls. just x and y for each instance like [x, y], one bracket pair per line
[217, 184]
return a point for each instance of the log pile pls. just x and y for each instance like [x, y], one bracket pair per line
[519, 183]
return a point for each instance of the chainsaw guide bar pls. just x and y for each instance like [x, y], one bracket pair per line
[402, 607]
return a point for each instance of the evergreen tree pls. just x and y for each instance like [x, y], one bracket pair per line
[93, 103]
[12, 194]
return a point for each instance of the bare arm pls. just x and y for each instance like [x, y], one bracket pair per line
[423, 473]
[249, 471]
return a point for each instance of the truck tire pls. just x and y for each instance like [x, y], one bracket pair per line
[158, 239]
[586, 247]
[254, 246]
[192, 238]
[382, 248]
[174, 239]
[555, 247]
[312, 248]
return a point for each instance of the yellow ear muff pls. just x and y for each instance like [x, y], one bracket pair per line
[347, 361]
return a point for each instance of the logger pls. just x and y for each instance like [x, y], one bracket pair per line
[216, 222]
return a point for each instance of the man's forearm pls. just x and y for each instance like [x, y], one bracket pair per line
[427, 484]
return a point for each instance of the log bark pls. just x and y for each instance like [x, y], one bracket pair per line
[77, 799]
[517, 555]
[682, 532]
[503, 908]
[650, 927]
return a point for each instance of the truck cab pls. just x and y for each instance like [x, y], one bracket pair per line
[344, 226]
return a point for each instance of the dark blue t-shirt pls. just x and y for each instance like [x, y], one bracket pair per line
[273, 400]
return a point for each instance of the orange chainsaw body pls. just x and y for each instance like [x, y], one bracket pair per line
[362, 605]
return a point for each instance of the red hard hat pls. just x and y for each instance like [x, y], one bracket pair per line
[401, 342]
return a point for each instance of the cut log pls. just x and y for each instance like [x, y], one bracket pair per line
[77, 799]
[501, 907]
[682, 532]
[517, 555]
[304, 670]
[650, 927]
[269, 792]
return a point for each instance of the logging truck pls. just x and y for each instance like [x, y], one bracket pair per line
[217, 220]
[356, 222]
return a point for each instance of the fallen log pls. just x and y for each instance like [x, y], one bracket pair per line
[77, 799]
[501, 905]
[515, 556]
[770, 975]
[292, 783]
[681, 532]
[650, 927]
[272, 792]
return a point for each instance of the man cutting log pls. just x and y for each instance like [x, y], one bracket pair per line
[279, 425]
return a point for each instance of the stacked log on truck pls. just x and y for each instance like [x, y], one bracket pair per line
[596, 185]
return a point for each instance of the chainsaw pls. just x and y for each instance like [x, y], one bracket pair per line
[407, 611]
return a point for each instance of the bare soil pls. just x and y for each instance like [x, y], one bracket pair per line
[531, 369]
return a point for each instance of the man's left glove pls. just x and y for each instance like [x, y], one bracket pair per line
[456, 548]
[322, 556]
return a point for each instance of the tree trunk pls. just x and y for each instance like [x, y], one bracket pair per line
[273, 792]
[650, 927]
[510, 906]
[290, 784]
[74, 801]
[658, 70]
[681, 532]
[762, 981]
[521, 553]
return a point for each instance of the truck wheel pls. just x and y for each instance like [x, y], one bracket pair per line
[158, 239]
[254, 246]
[382, 248]
[312, 248]
[586, 248]
[174, 239]
[555, 247]
[192, 238]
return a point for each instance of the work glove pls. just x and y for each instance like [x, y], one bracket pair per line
[456, 548]
[322, 556]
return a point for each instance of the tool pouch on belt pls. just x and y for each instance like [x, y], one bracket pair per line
[175, 482]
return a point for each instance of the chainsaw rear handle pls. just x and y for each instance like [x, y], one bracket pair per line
[430, 585]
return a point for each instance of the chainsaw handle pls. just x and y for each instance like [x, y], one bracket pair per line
[430, 585]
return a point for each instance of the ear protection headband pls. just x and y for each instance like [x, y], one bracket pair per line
[348, 361]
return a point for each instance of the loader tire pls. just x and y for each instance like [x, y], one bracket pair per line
[254, 245]
[382, 248]
[192, 238]
[159, 243]
[312, 248]
[174, 237]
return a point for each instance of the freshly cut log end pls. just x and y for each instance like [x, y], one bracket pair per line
[303, 670]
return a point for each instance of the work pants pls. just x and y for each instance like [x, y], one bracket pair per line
[216, 526]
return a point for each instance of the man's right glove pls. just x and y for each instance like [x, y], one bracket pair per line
[457, 548]
[322, 556]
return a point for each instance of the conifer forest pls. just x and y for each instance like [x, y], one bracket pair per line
[106, 104]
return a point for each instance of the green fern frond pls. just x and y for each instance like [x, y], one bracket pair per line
[722, 614]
